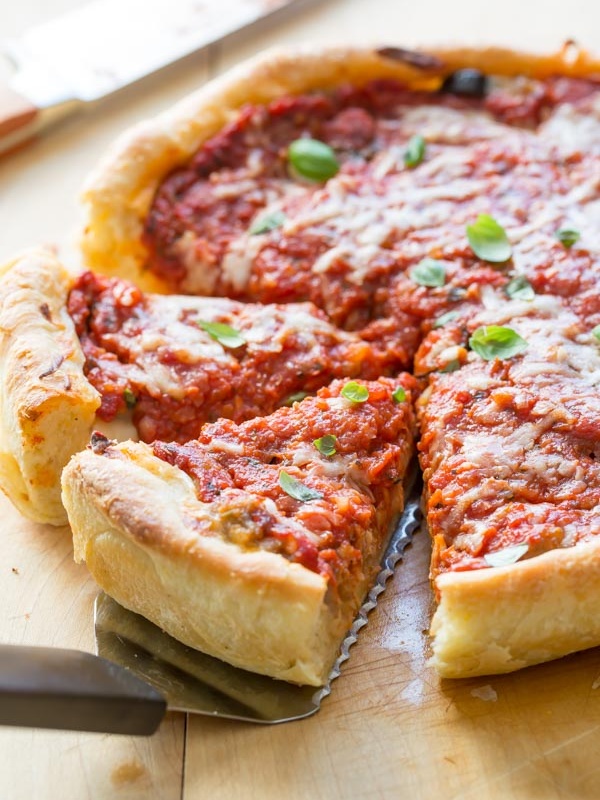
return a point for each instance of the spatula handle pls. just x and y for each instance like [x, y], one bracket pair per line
[43, 687]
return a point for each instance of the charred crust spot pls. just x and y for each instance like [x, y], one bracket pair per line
[56, 362]
[99, 443]
[414, 58]
[45, 311]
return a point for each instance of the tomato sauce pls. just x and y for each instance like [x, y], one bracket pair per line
[237, 468]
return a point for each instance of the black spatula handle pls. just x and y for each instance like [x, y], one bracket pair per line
[45, 687]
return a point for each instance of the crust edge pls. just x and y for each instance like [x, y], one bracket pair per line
[47, 407]
[502, 619]
[119, 192]
[255, 609]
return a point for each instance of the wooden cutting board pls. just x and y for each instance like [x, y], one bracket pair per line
[391, 728]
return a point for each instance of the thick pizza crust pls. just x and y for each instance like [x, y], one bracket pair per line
[119, 193]
[502, 619]
[47, 406]
[132, 520]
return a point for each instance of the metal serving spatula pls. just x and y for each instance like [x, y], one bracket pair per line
[140, 671]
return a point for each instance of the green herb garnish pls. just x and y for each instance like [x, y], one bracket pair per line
[326, 444]
[399, 395]
[444, 319]
[129, 398]
[519, 288]
[429, 272]
[415, 151]
[596, 332]
[295, 398]
[297, 489]
[506, 556]
[266, 223]
[355, 392]
[451, 366]
[222, 333]
[495, 341]
[488, 240]
[313, 159]
[567, 236]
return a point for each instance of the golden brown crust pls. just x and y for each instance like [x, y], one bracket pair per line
[132, 520]
[119, 193]
[47, 406]
[505, 618]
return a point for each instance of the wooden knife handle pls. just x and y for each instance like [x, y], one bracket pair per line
[18, 116]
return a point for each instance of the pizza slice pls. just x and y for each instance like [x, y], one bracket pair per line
[257, 541]
[511, 458]
[79, 348]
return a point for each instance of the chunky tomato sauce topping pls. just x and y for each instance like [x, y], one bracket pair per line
[347, 245]
[238, 469]
[509, 445]
[150, 353]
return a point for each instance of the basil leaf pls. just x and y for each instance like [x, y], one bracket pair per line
[399, 395]
[444, 319]
[596, 332]
[428, 272]
[355, 392]
[129, 398]
[495, 341]
[326, 444]
[297, 489]
[266, 223]
[567, 236]
[488, 240]
[294, 398]
[313, 159]
[519, 288]
[506, 556]
[222, 333]
[415, 151]
[451, 366]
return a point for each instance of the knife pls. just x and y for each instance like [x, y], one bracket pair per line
[105, 45]
[140, 671]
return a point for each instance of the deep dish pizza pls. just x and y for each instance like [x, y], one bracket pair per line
[436, 212]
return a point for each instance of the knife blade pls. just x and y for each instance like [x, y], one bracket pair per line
[105, 45]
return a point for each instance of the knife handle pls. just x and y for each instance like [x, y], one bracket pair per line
[45, 687]
[18, 117]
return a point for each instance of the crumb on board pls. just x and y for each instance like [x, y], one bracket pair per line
[127, 772]
[15, 571]
[485, 693]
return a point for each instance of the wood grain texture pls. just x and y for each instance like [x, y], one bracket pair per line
[391, 728]
[46, 599]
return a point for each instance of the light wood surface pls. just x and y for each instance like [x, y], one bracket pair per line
[390, 729]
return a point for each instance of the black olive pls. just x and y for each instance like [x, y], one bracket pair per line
[466, 83]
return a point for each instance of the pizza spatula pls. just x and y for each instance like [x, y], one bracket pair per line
[140, 672]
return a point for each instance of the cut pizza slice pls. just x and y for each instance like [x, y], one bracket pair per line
[511, 458]
[255, 542]
[76, 346]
